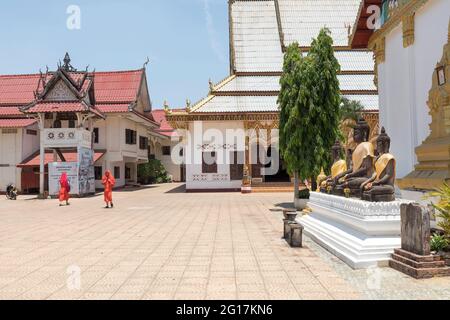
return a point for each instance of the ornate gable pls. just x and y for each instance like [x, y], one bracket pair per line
[60, 92]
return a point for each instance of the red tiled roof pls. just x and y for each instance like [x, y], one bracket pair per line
[70, 156]
[58, 107]
[117, 87]
[165, 127]
[109, 87]
[10, 111]
[72, 106]
[112, 108]
[18, 89]
[16, 123]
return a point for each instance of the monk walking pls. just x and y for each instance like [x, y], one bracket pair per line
[108, 182]
[64, 189]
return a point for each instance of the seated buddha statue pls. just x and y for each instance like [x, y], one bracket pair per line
[380, 187]
[362, 162]
[339, 166]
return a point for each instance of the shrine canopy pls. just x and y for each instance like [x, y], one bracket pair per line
[68, 92]
[64, 91]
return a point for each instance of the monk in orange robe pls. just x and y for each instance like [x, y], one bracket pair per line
[64, 189]
[108, 182]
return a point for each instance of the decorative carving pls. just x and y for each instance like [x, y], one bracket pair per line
[408, 30]
[208, 147]
[358, 208]
[60, 92]
[380, 50]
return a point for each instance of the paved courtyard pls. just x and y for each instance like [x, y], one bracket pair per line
[161, 243]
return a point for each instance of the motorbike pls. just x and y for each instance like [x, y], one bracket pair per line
[11, 192]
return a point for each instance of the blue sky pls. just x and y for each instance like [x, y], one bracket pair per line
[185, 40]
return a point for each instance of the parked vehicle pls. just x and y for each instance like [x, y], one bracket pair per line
[11, 192]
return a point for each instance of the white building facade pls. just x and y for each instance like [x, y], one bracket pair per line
[246, 101]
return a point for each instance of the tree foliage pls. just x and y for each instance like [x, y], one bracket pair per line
[309, 106]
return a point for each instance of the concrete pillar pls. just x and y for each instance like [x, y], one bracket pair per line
[41, 124]
[41, 171]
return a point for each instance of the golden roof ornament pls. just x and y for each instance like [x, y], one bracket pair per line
[188, 105]
[211, 85]
[166, 107]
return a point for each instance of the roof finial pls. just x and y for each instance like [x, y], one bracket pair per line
[211, 85]
[188, 105]
[67, 66]
[166, 107]
[146, 63]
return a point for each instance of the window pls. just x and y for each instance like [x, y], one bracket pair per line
[32, 132]
[96, 135]
[71, 123]
[130, 136]
[237, 165]
[209, 162]
[166, 150]
[98, 173]
[143, 143]
[57, 124]
[117, 172]
[9, 131]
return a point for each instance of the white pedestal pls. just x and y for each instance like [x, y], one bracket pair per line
[361, 233]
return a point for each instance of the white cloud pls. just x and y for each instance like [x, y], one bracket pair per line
[215, 44]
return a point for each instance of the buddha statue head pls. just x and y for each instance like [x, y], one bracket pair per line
[361, 131]
[383, 142]
[336, 151]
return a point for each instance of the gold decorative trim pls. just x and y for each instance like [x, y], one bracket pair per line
[394, 20]
[380, 51]
[408, 23]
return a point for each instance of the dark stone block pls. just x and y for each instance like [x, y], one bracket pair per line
[416, 232]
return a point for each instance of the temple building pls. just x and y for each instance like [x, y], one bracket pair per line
[246, 101]
[70, 116]
[411, 47]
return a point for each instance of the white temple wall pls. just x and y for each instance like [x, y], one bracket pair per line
[195, 145]
[171, 167]
[405, 80]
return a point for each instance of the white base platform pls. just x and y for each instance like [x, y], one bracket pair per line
[362, 234]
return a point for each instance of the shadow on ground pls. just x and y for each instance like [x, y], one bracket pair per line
[178, 189]
[283, 205]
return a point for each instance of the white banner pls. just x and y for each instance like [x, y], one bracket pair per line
[86, 176]
[56, 169]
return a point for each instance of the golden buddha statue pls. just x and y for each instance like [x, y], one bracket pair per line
[362, 162]
[381, 186]
[339, 166]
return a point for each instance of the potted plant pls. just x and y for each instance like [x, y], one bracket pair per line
[301, 201]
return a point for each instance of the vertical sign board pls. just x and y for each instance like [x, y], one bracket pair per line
[86, 175]
[55, 170]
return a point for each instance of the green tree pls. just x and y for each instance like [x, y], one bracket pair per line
[309, 103]
[287, 101]
[350, 109]
[324, 113]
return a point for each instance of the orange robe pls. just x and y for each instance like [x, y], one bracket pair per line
[108, 183]
[64, 191]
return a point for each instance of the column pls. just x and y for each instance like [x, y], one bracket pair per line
[42, 156]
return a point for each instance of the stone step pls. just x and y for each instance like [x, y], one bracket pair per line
[416, 257]
[424, 273]
[416, 264]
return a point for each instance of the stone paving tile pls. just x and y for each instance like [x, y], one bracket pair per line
[161, 245]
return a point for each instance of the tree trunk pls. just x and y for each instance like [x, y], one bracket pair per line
[296, 185]
[314, 184]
